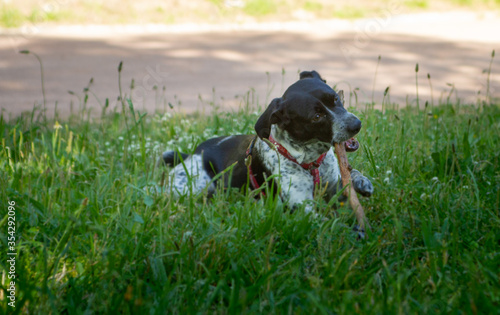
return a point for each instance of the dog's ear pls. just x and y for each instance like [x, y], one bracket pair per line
[275, 113]
[311, 74]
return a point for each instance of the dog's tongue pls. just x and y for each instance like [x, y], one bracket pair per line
[351, 145]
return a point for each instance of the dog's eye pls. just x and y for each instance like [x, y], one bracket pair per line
[317, 117]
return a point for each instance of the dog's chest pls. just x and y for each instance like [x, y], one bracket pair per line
[329, 170]
[291, 173]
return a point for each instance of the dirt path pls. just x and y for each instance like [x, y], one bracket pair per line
[190, 62]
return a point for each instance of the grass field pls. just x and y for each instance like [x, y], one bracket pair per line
[90, 239]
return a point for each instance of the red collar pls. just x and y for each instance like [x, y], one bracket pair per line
[307, 166]
[311, 167]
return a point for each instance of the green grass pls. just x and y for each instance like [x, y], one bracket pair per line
[92, 240]
[417, 4]
[313, 6]
[10, 17]
[260, 7]
[349, 12]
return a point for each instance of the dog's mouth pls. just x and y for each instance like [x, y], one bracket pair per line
[351, 145]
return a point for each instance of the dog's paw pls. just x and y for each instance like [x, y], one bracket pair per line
[362, 185]
[360, 231]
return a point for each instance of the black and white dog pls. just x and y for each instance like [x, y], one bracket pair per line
[294, 141]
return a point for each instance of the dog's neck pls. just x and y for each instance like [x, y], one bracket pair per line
[307, 152]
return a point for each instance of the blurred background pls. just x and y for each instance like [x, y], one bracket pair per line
[19, 12]
[205, 54]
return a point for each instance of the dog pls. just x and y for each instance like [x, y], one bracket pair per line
[294, 142]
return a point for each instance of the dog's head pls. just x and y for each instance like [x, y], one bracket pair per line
[308, 111]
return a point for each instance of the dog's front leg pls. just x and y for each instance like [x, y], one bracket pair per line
[362, 184]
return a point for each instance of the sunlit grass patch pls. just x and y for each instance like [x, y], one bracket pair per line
[10, 17]
[35, 13]
[260, 7]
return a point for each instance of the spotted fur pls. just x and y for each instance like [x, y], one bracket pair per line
[306, 121]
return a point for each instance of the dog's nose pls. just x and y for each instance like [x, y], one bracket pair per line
[354, 127]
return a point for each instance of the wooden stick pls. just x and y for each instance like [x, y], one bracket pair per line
[345, 172]
[349, 192]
